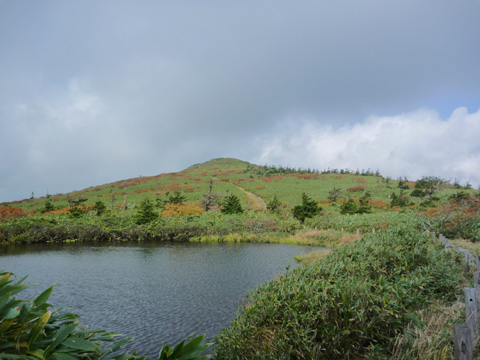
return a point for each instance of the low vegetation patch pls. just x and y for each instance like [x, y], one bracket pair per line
[351, 305]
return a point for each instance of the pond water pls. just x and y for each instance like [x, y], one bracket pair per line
[157, 293]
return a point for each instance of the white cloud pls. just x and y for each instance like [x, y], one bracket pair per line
[413, 144]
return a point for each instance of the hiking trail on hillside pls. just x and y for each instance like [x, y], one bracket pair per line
[256, 202]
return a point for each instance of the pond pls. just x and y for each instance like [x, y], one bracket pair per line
[158, 293]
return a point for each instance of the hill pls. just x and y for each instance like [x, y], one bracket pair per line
[195, 197]
[228, 175]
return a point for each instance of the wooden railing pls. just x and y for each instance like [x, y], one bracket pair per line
[465, 336]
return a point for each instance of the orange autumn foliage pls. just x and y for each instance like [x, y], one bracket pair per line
[66, 210]
[171, 187]
[379, 204]
[10, 212]
[184, 209]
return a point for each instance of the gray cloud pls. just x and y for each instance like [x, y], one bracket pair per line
[99, 91]
[413, 144]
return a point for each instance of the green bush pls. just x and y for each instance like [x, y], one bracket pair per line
[33, 329]
[400, 200]
[308, 209]
[146, 213]
[351, 305]
[232, 205]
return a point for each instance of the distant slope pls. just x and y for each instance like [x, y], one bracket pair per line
[255, 186]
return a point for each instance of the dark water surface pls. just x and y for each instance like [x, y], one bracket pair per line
[157, 293]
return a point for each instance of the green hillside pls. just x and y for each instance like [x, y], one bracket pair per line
[228, 175]
[270, 197]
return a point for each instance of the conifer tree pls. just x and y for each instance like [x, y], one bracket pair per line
[48, 205]
[308, 209]
[274, 204]
[145, 213]
[232, 205]
[99, 207]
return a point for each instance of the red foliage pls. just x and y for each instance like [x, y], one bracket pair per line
[171, 187]
[224, 173]
[303, 176]
[188, 188]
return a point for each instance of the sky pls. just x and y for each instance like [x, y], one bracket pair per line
[98, 91]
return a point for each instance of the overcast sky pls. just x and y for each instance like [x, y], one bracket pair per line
[98, 91]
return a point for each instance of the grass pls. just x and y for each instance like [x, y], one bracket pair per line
[312, 257]
[430, 335]
[351, 305]
[474, 247]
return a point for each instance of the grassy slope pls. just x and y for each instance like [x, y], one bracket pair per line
[229, 174]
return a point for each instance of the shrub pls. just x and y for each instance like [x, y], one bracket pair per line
[185, 209]
[30, 330]
[10, 212]
[274, 204]
[176, 198]
[232, 205]
[351, 305]
[357, 188]
[350, 207]
[48, 206]
[400, 200]
[146, 213]
[99, 208]
[308, 209]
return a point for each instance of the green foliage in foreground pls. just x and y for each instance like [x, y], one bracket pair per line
[29, 330]
[188, 351]
[33, 329]
[351, 305]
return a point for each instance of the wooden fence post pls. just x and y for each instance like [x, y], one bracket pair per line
[476, 285]
[462, 342]
[471, 312]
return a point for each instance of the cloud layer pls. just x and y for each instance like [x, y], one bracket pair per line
[413, 144]
[92, 92]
